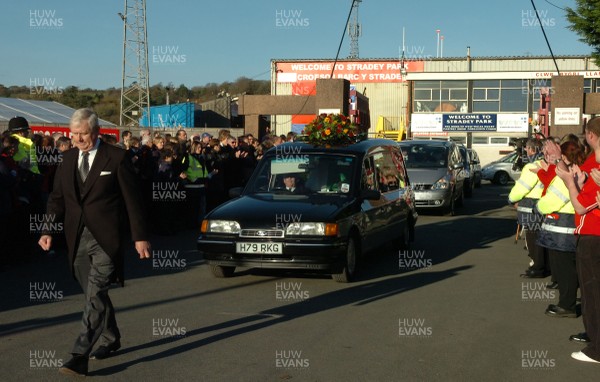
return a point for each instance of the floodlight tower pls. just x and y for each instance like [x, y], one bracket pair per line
[354, 30]
[135, 89]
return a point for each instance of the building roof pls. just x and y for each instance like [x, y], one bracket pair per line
[429, 58]
[38, 112]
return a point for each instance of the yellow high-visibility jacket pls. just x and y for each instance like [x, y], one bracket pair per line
[26, 154]
[528, 185]
[195, 169]
[556, 199]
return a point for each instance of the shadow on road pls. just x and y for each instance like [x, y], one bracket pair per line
[354, 295]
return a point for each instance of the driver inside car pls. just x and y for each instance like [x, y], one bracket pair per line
[292, 185]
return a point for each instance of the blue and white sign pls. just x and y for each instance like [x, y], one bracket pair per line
[469, 122]
[429, 123]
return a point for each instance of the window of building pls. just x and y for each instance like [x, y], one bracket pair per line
[587, 85]
[500, 96]
[480, 140]
[460, 139]
[498, 140]
[440, 96]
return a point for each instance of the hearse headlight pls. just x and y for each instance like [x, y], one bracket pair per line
[312, 229]
[220, 226]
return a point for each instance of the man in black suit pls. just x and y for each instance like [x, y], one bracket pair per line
[291, 184]
[94, 187]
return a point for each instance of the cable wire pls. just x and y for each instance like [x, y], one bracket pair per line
[545, 37]
[307, 97]
[554, 5]
[342, 39]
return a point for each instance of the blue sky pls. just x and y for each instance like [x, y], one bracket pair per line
[199, 41]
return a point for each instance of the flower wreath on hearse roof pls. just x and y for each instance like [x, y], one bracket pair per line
[332, 130]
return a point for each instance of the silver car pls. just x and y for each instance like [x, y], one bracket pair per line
[436, 173]
[502, 170]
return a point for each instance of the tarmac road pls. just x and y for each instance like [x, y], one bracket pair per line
[463, 314]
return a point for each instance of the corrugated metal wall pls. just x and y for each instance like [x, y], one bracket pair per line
[509, 64]
[385, 99]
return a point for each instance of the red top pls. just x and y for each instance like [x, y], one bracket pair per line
[546, 176]
[589, 164]
[588, 223]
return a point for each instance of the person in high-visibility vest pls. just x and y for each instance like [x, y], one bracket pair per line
[557, 234]
[30, 180]
[524, 195]
[25, 155]
[196, 174]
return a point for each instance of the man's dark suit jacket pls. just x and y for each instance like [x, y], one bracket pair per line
[109, 193]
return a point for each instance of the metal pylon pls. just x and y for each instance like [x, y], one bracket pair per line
[135, 89]
[354, 30]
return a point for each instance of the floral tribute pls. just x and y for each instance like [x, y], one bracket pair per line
[332, 130]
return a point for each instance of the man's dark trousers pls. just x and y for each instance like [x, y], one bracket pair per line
[95, 271]
[588, 269]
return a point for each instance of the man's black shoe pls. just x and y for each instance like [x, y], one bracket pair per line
[557, 311]
[76, 366]
[581, 338]
[104, 351]
[552, 285]
[532, 274]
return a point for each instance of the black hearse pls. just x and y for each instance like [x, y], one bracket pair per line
[313, 208]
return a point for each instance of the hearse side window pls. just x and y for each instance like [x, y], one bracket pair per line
[368, 175]
[388, 176]
[399, 164]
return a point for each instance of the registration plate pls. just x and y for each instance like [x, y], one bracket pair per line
[260, 248]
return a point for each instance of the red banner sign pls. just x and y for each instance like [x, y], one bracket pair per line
[49, 130]
[354, 71]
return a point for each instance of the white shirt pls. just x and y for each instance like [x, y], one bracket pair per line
[91, 157]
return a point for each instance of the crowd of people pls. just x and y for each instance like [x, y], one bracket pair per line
[181, 177]
[557, 198]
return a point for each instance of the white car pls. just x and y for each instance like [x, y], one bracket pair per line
[502, 170]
